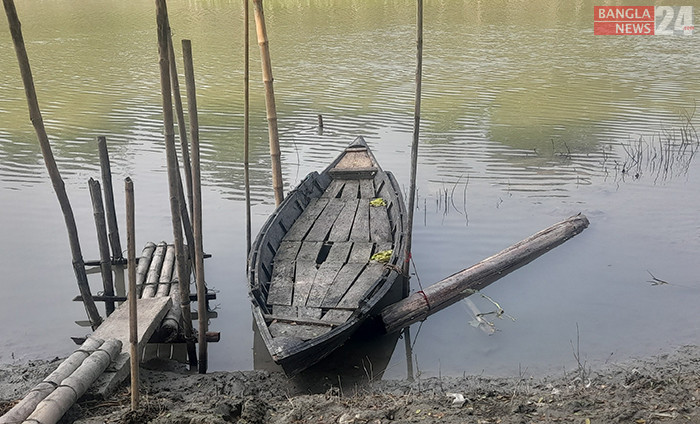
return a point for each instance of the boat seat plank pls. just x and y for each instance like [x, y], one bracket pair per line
[361, 252]
[337, 315]
[367, 189]
[334, 188]
[343, 225]
[306, 220]
[343, 280]
[360, 227]
[380, 230]
[350, 190]
[362, 284]
[304, 281]
[322, 226]
[282, 284]
[323, 280]
[309, 312]
[301, 331]
[340, 251]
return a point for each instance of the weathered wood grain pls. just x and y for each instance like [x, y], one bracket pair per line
[154, 270]
[166, 272]
[379, 228]
[334, 188]
[337, 316]
[360, 226]
[362, 284]
[325, 220]
[304, 332]
[282, 283]
[361, 252]
[306, 220]
[343, 224]
[323, 280]
[339, 252]
[304, 281]
[143, 264]
[351, 190]
[343, 280]
[367, 189]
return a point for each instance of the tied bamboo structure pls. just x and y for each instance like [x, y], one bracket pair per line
[52, 168]
[174, 179]
[275, 154]
[103, 243]
[197, 209]
[133, 318]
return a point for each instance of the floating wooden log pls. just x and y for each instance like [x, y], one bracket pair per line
[50, 162]
[109, 200]
[28, 404]
[102, 242]
[55, 405]
[440, 295]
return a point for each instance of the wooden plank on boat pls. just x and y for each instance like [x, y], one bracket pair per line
[282, 284]
[304, 281]
[309, 251]
[343, 280]
[343, 224]
[334, 188]
[306, 220]
[379, 224]
[287, 251]
[284, 312]
[340, 251]
[323, 280]
[304, 332]
[308, 312]
[360, 226]
[363, 283]
[361, 252]
[325, 221]
[351, 190]
[367, 189]
[337, 315]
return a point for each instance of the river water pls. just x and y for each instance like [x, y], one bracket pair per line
[527, 118]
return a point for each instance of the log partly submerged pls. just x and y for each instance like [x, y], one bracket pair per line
[440, 295]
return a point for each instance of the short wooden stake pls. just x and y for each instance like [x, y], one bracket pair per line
[52, 168]
[103, 243]
[111, 213]
[132, 296]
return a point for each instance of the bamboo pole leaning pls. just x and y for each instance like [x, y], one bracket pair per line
[270, 107]
[28, 404]
[197, 210]
[173, 177]
[131, 264]
[50, 162]
[246, 122]
[102, 243]
[462, 284]
[111, 213]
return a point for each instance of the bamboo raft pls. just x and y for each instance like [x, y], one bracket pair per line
[311, 276]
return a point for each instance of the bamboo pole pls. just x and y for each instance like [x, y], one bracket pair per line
[109, 200]
[275, 154]
[55, 405]
[197, 210]
[102, 242]
[181, 126]
[442, 294]
[50, 162]
[131, 264]
[246, 122]
[151, 285]
[143, 266]
[173, 175]
[28, 404]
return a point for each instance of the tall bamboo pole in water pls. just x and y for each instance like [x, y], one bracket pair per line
[131, 264]
[173, 183]
[246, 122]
[414, 168]
[269, 101]
[197, 207]
[52, 168]
[109, 200]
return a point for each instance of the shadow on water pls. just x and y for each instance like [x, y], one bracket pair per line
[361, 360]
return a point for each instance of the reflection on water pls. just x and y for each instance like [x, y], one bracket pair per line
[526, 118]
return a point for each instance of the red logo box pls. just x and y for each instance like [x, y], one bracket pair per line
[623, 20]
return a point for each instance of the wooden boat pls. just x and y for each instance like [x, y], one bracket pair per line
[312, 278]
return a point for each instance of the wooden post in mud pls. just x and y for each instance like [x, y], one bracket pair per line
[181, 126]
[110, 211]
[103, 243]
[275, 154]
[173, 171]
[246, 122]
[414, 169]
[442, 294]
[133, 318]
[51, 167]
[197, 209]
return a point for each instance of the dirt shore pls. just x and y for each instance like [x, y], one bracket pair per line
[662, 389]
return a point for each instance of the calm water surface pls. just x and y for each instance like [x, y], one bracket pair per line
[527, 119]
